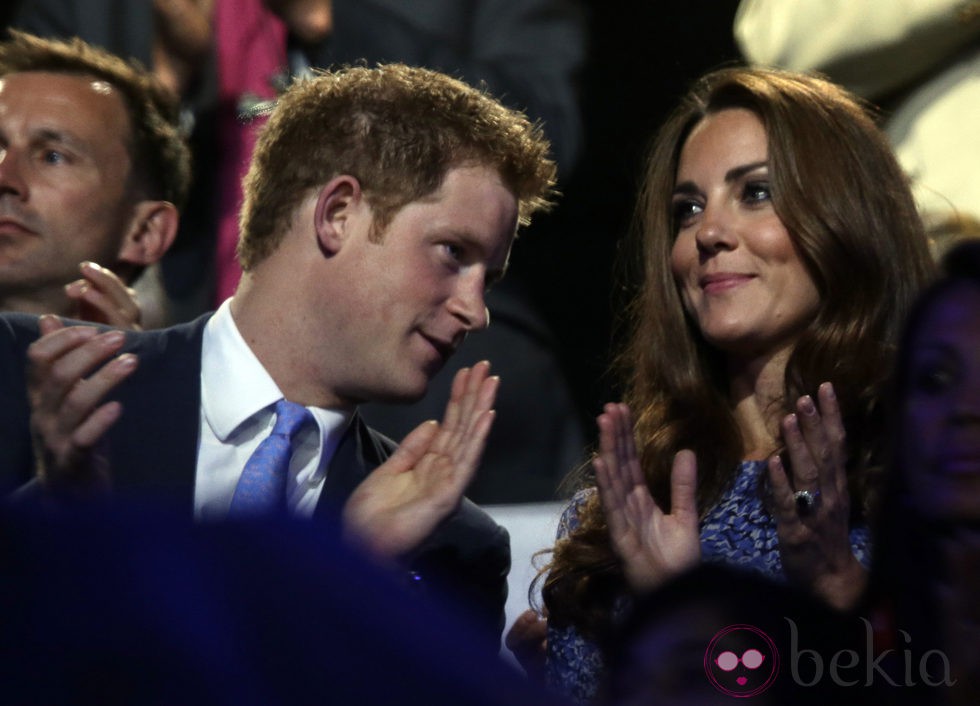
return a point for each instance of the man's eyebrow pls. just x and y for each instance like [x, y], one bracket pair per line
[63, 137]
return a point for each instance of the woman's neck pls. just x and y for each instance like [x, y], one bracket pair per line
[756, 390]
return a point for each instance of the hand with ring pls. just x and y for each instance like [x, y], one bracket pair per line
[811, 504]
[806, 501]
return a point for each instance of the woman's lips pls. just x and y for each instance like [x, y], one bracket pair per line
[722, 281]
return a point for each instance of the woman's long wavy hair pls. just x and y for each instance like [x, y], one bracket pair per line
[845, 201]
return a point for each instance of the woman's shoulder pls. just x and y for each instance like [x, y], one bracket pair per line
[575, 665]
[569, 521]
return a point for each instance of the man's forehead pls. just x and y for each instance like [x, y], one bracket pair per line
[64, 86]
[66, 100]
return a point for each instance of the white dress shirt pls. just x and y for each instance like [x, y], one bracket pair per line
[237, 398]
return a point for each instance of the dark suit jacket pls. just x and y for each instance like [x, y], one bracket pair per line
[152, 450]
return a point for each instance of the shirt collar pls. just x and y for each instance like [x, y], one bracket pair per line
[234, 385]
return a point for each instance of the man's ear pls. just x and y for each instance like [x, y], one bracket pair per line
[151, 233]
[338, 206]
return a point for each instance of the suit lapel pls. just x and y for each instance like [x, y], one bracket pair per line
[357, 454]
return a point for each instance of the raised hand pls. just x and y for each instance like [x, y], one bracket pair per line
[399, 504]
[812, 508]
[652, 545]
[527, 639]
[101, 297]
[68, 379]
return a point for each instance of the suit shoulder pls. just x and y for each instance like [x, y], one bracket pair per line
[473, 516]
[16, 327]
[165, 339]
[17, 332]
[471, 531]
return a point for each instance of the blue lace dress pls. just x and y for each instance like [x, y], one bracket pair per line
[737, 531]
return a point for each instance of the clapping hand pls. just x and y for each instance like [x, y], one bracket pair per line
[399, 504]
[527, 640]
[653, 545]
[100, 296]
[812, 504]
[70, 371]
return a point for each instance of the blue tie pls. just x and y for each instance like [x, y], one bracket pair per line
[262, 487]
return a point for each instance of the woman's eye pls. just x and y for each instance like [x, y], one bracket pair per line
[756, 191]
[683, 211]
[934, 379]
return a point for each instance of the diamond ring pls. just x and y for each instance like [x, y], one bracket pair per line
[806, 501]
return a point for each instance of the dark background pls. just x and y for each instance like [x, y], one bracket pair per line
[642, 58]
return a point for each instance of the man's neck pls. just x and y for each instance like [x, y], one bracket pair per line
[281, 349]
[38, 303]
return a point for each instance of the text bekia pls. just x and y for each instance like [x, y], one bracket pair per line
[849, 667]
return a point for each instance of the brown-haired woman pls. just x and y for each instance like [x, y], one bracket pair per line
[780, 252]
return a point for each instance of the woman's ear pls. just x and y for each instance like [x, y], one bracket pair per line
[338, 207]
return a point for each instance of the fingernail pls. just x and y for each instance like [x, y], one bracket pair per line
[89, 265]
[127, 361]
[791, 426]
[806, 406]
[85, 332]
[46, 321]
[829, 390]
[114, 338]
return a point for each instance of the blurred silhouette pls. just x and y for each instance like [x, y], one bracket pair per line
[134, 605]
[927, 574]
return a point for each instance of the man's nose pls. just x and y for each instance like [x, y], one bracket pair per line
[11, 174]
[468, 305]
